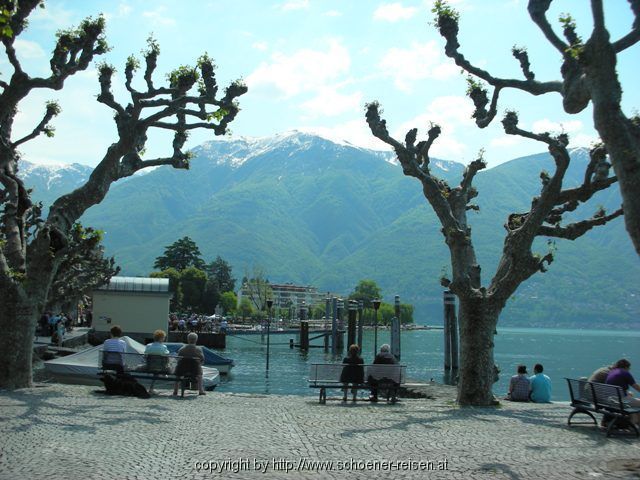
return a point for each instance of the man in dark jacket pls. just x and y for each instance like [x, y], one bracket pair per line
[384, 357]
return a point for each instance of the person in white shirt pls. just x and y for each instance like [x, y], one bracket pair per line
[113, 350]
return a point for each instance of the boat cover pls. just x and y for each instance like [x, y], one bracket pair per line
[85, 364]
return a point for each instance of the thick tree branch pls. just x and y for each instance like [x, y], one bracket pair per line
[52, 110]
[470, 172]
[538, 13]
[577, 229]
[633, 36]
[73, 52]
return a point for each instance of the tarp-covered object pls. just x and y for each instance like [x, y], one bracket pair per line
[83, 367]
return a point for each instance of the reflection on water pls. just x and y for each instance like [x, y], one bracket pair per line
[564, 353]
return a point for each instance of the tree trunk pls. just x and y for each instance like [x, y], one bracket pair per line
[624, 152]
[18, 318]
[615, 129]
[476, 377]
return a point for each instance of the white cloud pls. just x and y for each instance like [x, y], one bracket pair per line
[393, 12]
[329, 103]
[124, 9]
[160, 17]
[53, 15]
[262, 46]
[422, 61]
[295, 5]
[28, 49]
[451, 113]
[506, 141]
[304, 70]
[583, 140]
[546, 125]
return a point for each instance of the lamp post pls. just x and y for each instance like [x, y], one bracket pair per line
[269, 305]
[376, 306]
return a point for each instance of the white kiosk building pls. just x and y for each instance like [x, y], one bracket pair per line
[139, 305]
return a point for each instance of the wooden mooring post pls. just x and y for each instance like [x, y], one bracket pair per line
[340, 325]
[395, 330]
[351, 327]
[450, 335]
[304, 336]
[360, 323]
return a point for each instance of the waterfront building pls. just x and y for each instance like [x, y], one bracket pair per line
[285, 296]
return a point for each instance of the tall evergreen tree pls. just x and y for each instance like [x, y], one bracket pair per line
[221, 272]
[180, 255]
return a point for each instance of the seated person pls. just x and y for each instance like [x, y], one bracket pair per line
[384, 357]
[113, 350]
[621, 377]
[157, 348]
[353, 371]
[540, 385]
[519, 386]
[600, 375]
[188, 352]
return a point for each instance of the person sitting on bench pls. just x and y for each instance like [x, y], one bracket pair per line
[157, 356]
[385, 357]
[190, 362]
[621, 377]
[113, 350]
[353, 371]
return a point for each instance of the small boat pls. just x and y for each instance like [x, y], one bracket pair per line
[82, 368]
[211, 358]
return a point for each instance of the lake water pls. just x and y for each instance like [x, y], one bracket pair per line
[564, 353]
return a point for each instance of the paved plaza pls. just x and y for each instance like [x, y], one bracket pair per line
[62, 431]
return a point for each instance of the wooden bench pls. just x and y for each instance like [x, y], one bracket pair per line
[152, 367]
[387, 379]
[588, 397]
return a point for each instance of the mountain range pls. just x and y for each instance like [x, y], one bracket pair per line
[312, 211]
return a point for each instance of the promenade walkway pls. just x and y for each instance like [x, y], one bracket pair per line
[62, 431]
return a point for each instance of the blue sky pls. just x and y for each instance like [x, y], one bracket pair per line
[312, 65]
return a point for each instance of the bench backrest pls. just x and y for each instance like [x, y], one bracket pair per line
[157, 363]
[112, 358]
[601, 395]
[320, 373]
[608, 396]
[580, 391]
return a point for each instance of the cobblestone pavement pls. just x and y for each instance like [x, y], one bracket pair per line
[61, 431]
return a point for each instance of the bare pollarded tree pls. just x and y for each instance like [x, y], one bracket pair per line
[480, 305]
[589, 76]
[28, 264]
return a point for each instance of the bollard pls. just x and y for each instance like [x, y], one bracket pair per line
[334, 325]
[351, 328]
[360, 323]
[449, 311]
[395, 330]
[304, 336]
[291, 343]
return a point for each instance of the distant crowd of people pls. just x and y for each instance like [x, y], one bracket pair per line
[197, 323]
